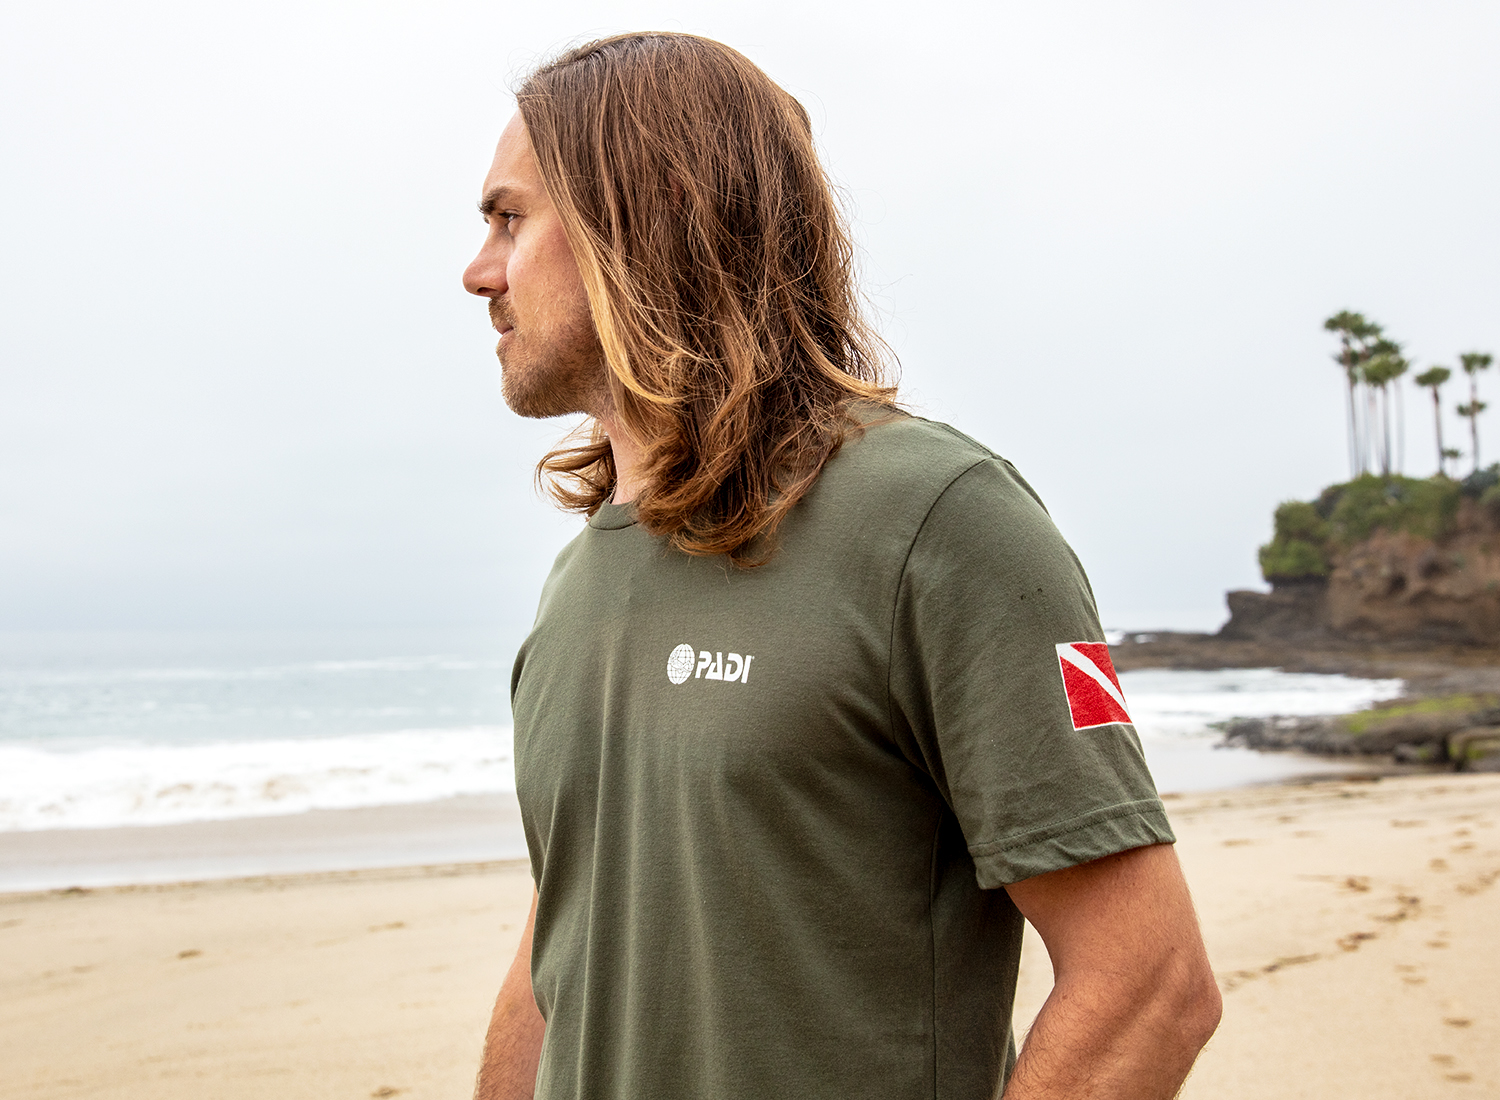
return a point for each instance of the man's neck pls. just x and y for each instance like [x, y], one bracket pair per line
[627, 455]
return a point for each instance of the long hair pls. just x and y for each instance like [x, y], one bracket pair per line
[720, 275]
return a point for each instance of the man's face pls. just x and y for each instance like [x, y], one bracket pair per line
[550, 358]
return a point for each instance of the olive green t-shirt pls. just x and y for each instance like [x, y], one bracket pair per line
[768, 809]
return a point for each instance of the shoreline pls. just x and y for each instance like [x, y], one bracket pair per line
[459, 830]
[475, 830]
[487, 864]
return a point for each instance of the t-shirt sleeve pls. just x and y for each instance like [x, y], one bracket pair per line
[988, 593]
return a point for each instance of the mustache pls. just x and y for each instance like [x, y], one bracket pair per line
[500, 313]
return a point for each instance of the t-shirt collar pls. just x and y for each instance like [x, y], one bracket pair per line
[612, 517]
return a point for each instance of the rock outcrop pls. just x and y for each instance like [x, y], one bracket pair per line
[1470, 740]
[1393, 587]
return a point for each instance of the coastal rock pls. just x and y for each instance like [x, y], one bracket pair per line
[1411, 738]
[1322, 736]
[1423, 752]
[1393, 587]
[1476, 749]
[1291, 611]
[1400, 586]
[1385, 734]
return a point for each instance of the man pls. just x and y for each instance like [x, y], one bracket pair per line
[816, 707]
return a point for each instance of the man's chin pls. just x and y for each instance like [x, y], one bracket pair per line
[560, 385]
[536, 402]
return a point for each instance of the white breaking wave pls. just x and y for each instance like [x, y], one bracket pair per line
[114, 785]
[1178, 703]
[1175, 709]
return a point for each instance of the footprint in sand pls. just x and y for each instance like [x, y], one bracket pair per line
[1409, 974]
[1407, 907]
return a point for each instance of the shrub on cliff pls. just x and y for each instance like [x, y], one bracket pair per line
[1489, 501]
[1295, 551]
[1481, 482]
[1308, 535]
[1422, 507]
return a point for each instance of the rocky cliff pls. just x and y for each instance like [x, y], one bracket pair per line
[1390, 586]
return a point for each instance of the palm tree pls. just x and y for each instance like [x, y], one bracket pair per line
[1433, 378]
[1356, 334]
[1473, 362]
[1384, 366]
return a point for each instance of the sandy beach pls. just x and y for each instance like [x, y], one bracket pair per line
[1351, 923]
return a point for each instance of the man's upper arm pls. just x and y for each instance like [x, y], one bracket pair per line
[1127, 916]
[988, 593]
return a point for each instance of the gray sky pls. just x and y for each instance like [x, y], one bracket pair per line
[240, 383]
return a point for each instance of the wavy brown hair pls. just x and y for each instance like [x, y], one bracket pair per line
[720, 275]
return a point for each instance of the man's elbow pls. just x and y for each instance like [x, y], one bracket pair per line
[1198, 1005]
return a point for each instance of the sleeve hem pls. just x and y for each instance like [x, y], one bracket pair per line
[1090, 836]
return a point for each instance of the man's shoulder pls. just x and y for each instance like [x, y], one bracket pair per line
[908, 462]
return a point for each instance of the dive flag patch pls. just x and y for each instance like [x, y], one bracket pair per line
[1093, 689]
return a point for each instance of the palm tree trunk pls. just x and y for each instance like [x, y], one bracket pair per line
[1437, 424]
[1474, 417]
[1385, 428]
[1400, 427]
[1353, 426]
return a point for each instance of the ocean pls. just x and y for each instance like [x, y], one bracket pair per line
[116, 730]
[130, 731]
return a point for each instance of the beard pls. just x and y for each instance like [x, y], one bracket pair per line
[550, 370]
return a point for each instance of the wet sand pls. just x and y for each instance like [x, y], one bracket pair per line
[465, 829]
[1352, 925]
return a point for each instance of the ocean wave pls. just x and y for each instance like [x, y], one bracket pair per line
[20, 678]
[1177, 703]
[142, 784]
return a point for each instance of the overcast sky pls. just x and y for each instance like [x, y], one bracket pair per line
[240, 383]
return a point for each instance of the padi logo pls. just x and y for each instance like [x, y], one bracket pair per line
[684, 663]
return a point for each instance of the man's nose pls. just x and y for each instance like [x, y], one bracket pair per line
[485, 275]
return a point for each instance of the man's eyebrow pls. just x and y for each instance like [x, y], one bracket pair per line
[496, 197]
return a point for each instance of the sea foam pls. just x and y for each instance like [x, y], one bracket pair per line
[1187, 703]
[107, 786]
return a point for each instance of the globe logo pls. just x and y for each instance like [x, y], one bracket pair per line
[680, 663]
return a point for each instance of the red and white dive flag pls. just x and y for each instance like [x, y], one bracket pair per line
[1094, 694]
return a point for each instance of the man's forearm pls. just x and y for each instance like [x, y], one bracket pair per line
[1134, 998]
[1092, 1043]
[513, 1045]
